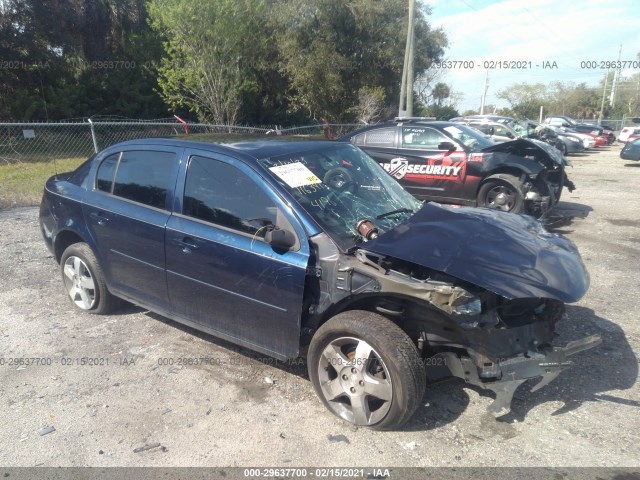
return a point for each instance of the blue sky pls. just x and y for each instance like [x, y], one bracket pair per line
[566, 32]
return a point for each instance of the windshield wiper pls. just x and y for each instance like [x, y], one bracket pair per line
[393, 212]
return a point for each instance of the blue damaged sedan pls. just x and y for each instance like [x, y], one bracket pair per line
[311, 249]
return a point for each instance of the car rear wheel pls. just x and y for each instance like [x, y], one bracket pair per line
[502, 192]
[366, 370]
[562, 147]
[84, 281]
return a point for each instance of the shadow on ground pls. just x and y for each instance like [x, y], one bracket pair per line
[607, 367]
[563, 215]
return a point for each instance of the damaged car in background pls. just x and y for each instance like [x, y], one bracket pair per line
[449, 162]
[309, 249]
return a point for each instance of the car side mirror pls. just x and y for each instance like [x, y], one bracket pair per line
[565, 124]
[510, 135]
[448, 146]
[280, 239]
[491, 131]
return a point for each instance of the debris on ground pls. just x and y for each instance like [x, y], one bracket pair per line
[146, 447]
[46, 430]
[338, 438]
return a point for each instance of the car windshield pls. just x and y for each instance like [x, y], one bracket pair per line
[339, 185]
[521, 128]
[472, 139]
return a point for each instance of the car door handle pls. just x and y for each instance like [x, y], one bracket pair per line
[186, 243]
[99, 218]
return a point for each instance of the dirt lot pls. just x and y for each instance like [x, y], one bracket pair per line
[236, 410]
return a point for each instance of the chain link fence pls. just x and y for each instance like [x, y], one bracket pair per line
[616, 124]
[42, 142]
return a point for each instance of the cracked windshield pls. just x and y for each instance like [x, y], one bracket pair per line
[339, 186]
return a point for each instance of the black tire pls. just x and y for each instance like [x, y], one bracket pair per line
[502, 192]
[562, 147]
[388, 384]
[80, 270]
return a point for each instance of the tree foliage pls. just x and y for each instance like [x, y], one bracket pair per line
[226, 61]
[331, 49]
[68, 58]
[575, 100]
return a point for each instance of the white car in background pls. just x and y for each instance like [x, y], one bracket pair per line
[587, 140]
[627, 132]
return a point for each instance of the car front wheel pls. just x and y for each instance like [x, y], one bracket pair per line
[84, 281]
[366, 370]
[502, 192]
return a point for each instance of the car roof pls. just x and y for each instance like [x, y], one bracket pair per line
[404, 122]
[249, 149]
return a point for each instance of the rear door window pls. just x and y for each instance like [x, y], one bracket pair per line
[422, 138]
[141, 176]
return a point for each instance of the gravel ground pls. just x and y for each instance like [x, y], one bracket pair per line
[238, 410]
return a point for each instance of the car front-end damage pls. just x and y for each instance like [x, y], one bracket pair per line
[479, 291]
[543, 168]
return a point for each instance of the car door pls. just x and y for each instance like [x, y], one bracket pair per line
[425, 166]
[222, 275]
[127, 213]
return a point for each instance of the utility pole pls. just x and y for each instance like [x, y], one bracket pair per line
[604, 94]
[616, 79]
[484, 95]
[405, 107]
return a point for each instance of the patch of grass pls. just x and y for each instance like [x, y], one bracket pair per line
[21, 184]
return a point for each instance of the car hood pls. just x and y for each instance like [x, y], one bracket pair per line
[528, 145]
[509, 254]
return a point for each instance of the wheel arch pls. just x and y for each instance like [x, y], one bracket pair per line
[412, 315]
[63, 240]
[503, 170]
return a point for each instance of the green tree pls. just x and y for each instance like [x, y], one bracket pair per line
[440, 93]
[526, 99]
[211, 51]
[77, 58]
[331, 49]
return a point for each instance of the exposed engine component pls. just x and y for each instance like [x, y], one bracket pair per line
[367, 229]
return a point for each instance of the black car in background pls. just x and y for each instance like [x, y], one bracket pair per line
[631, 151]
[571, 123]
[451, 163]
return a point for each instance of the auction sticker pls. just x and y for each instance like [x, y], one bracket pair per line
[295, 174]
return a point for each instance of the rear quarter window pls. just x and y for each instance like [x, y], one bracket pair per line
[80, 175]
[106, 172]
[382, 137]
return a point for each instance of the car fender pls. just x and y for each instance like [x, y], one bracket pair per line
[502, 162]
[64, 200]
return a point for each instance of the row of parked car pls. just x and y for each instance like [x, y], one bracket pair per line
[561, 132]
[314, 249]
